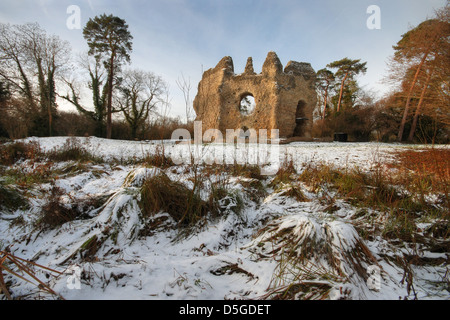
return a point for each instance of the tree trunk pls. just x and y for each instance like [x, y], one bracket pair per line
[50, 120]
[325, 104]
[134, 131]
[419, 107]
[341, 92]
[408, 100]
[110, 91]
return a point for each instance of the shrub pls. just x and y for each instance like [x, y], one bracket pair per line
[158, 159]
[254, 189]
[11, 199]
[285, 173]
[54, 213]
[424, 172]
[245, 170]
[10, 153]
[160, 194]
[72, 150]
[223, 200]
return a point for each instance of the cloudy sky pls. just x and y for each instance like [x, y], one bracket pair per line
[183, 37]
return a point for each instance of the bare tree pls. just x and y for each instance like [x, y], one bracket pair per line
[185, 86]
[140, 93]
[31, 62]
[98, 85]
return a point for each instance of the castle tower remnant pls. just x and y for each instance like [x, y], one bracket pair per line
[284, 99]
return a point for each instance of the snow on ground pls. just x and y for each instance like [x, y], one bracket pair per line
[363, 155]
[225, 260]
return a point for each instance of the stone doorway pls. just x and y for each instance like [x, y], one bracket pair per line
[300, 119]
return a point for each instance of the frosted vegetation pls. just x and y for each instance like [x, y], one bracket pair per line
[337, 221]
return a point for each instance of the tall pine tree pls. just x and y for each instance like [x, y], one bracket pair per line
[347, 69]
[110, 41]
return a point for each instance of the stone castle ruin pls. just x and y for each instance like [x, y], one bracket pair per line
[274, 99]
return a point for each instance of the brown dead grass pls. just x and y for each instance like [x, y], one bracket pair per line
[434, 162]
[425, 171]
[160, 194]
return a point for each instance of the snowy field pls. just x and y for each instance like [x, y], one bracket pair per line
[363, 155]
[236, 256]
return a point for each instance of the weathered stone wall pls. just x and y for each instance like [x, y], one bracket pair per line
[285, 99]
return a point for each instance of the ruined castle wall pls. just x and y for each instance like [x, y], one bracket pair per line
[277, 94]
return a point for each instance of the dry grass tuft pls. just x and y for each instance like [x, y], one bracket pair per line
[10, 153]
[424, 172]
[23, 270]
[54, 212]
[10, 198]
[160, 194]
[311, 256]
[73, 150]
[159, 159]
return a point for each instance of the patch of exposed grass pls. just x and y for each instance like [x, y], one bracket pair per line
[285, 174]
[236, 170]
[294, 191]
[429, 161]
[246, 171]
[375, 189]
[54, 212]
[400, 225]
[10, 153]
[10, 198]
[159, 159]
[72, 150]
[25, 176]
[424, 172]
[254, 189]
[160, 194]
[404, 196]
[223, 200]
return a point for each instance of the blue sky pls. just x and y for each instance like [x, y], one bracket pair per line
[183, 37]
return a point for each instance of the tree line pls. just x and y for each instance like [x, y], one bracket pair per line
[35, 69]
[418, 106]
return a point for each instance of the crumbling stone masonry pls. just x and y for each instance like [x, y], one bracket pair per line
[285, 99]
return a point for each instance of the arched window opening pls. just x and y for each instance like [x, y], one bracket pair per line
[247, 104]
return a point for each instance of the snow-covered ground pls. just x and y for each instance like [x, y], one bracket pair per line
[235, 256]
[363, 154]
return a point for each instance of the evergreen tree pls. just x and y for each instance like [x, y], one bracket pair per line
[109, 40]
[324, 84]
[347, 69]
[422, 52]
